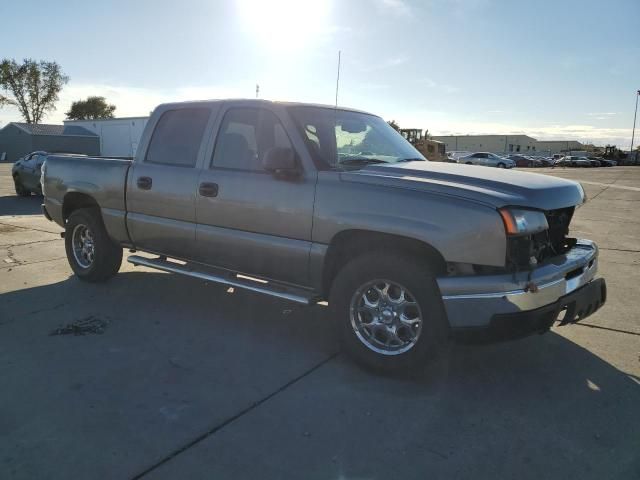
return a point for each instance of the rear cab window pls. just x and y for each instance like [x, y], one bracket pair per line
[177, 137]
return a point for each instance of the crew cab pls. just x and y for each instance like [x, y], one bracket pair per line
[311, 203]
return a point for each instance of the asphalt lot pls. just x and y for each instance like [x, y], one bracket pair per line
[187, 380]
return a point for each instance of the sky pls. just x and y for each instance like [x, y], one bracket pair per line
[552, 69]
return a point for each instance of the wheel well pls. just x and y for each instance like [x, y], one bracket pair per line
[351, 243]
[74, 200]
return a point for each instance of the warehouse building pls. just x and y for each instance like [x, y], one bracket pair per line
[17, 139]
[119, 137]
[506, 144]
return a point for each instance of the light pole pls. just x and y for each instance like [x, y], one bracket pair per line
[633, 132]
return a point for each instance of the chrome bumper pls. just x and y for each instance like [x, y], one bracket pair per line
[472, 301]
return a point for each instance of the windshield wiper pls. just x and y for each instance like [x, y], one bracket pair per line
[411, 160]
[360, 161]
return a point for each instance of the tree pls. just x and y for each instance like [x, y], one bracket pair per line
[31, 86]
[90, 109]
[394, 125]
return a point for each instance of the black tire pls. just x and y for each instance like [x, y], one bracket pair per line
[468, 163]
[501, 165]
[419, 282]
[20, 190]
[106, 254]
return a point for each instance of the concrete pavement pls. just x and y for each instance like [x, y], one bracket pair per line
[188, 380]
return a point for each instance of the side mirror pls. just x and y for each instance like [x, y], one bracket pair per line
[280, 160]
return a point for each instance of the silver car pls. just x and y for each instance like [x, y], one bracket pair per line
[488, 160]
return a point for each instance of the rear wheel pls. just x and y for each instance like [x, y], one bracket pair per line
[91, 253]
[389, 311]
[20, 189]
[468, 163]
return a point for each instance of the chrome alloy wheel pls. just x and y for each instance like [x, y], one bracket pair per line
[83, 245]
[386, 317]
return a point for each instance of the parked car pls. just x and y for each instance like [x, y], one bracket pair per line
[594, 162]
[310, 203]
[573, 161]
[602, 162]
[607, 163]
[487, 159]
[524, 161]
[26, 173]
[454, 156]
[546, 161]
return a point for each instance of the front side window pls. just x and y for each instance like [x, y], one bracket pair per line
[342, 139]
[245, 136]
[177, 137]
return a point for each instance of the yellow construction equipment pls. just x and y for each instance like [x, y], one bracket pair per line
[431, 149]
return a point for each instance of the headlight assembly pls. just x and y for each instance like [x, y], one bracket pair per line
[520, 221]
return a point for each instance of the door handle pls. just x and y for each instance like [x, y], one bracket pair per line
[144, 183]
[207, 189]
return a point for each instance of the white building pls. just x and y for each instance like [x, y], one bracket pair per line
[507, 144]
[119, 137]
[488, 143]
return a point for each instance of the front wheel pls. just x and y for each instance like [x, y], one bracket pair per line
[389, 311]
[91, 253]
[502, 165]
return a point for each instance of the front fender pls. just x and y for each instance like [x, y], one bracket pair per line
[462, 231]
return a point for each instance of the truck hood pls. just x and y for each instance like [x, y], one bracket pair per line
[492, 186]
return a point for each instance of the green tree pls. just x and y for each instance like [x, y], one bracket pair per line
[394, 125]
[31, 86]
[90, 109]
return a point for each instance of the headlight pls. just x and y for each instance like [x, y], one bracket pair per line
[519, 221]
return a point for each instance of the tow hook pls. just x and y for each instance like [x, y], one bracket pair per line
[62, 234]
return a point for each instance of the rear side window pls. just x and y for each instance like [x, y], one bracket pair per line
[177, 137]
[246, 134]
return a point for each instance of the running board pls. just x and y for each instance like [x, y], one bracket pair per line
[227, 278]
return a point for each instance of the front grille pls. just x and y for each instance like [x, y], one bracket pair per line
[558, 221]
[523, 252]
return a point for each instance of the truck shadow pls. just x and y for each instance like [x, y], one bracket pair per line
[15, 205]
[541, 407]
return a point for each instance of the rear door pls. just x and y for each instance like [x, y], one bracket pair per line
[250, 220]
[162, 183]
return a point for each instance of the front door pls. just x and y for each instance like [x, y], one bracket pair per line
[162, 184]
[249, 220]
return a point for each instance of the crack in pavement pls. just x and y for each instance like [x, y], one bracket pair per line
[28, 228]
[30, 243]
[620, 249]
[18, 263]
[590, 325]
[232, 419]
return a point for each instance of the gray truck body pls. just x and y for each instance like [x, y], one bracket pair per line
[287, 230]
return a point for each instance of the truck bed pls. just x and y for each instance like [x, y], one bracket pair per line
[103, 179]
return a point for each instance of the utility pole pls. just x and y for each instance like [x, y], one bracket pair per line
[633, 132]
[338, 78]
[257, 90]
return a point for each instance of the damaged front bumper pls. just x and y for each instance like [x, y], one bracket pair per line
[526, 302]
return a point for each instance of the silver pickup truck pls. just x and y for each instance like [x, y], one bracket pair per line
[313, 203]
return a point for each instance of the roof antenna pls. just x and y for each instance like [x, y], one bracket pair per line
[338, 78]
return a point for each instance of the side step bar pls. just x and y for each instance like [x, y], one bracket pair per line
[226, 278]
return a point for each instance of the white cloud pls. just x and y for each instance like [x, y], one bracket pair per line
[129, 101]
[438, 124]
[397, 7]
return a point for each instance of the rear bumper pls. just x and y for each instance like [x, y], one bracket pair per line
[475, 301]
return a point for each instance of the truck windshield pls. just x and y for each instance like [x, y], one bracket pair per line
[345, 139]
